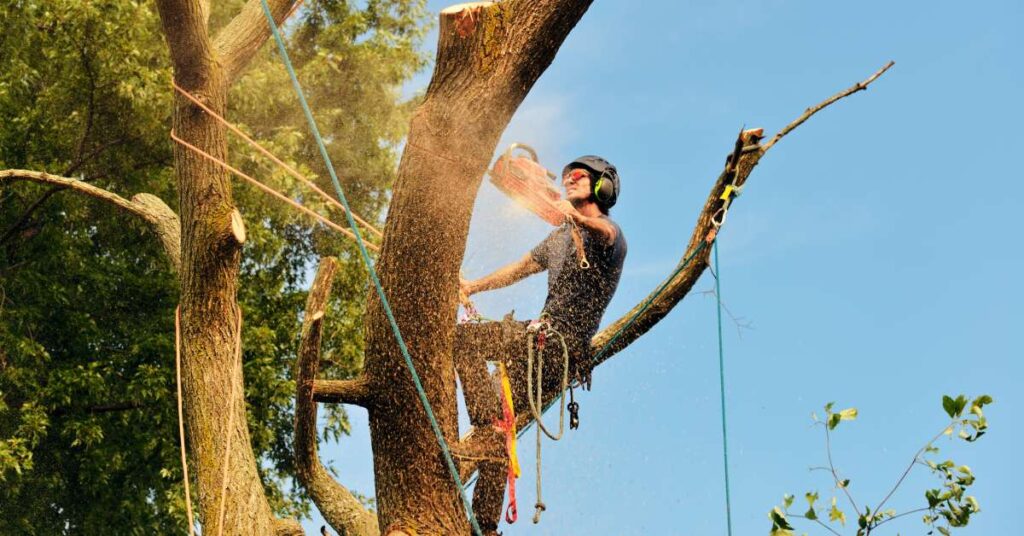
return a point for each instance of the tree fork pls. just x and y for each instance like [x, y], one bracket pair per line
[337, 504]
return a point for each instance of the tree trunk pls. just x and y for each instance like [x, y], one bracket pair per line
[212, 234]
[489, 56]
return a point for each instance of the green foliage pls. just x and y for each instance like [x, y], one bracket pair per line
[88, 424]
[947, 506]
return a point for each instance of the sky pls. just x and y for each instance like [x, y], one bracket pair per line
[874, 253]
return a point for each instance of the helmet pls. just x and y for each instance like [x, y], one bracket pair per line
[605, 186]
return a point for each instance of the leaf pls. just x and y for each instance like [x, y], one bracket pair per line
[959, 404]
[844, 483]
[828, 407]
[835, 514]
[811, 498]
[848, 414]
[787, 501]
[949, 405]
[811, 514]
[780, 525]
[833, 420]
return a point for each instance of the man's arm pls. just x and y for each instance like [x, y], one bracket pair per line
[602, 226]
[503, 277]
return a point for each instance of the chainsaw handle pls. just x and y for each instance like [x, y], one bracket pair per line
[533, 154]
[524, 147]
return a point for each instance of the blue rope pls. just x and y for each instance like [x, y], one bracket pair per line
[721, 378]
[373, 272]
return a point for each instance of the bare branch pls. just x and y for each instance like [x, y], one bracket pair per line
[150, 208]
[835, 474]
[239, 41]
[680, 285]
[859, 86]
[337, 504]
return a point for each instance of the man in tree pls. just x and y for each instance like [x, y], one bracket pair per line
[584, 261]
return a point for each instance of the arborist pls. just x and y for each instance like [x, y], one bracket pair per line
[584, 259]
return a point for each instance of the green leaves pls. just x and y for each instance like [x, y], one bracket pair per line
[835, 514]
[832, 419]
[948, 505]
[780, 525]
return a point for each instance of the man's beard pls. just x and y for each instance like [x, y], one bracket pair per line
[580, 202]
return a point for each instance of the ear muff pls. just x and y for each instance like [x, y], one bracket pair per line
[605, 188]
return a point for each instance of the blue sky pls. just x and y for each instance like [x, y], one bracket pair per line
[875, 251]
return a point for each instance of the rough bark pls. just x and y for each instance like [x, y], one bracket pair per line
[211, 240]
[339, 507]
[152, 209]
[489, 56]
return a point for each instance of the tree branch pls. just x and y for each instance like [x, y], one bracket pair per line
[678, 287]
[150, 208]
[859, 86]
[184, 23]
[239, 41]
[356, 391]
[337, 504]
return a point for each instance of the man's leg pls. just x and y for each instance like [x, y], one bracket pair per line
[476, 344]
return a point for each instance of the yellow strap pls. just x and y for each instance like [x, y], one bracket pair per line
[506, 392]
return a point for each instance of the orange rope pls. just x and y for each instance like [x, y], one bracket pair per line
[231, 422]
[291, 171]
[269, 190]
[181, 424]
[292, 12]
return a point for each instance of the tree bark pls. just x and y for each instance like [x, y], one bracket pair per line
[489, 56]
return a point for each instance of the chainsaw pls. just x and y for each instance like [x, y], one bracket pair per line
[521, 177]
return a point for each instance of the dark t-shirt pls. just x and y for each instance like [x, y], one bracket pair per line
[577, 297]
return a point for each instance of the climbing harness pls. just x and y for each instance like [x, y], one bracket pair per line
[373, 274]
[507, 425]
[541, 330]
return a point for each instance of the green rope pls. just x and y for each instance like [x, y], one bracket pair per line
[373, 272]
[721, 379]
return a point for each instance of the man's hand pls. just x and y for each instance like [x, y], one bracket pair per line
[466, 289]
[570, 211]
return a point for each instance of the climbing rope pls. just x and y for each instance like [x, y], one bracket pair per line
[373, 272]
[262, 150]
[541, 330]
[181, 422]
[266, 188]
[721, 380]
